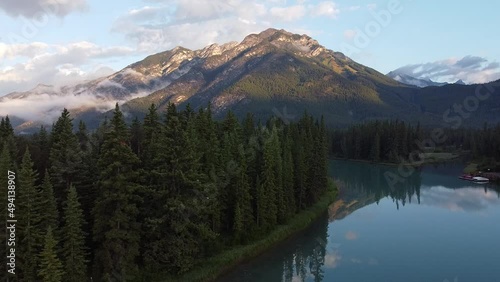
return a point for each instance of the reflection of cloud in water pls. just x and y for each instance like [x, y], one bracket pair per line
[465, 199]
[332, 260]
[351, 235]
[356, 260]
[298, 278]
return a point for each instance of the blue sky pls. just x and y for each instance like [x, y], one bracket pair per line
[65, 41]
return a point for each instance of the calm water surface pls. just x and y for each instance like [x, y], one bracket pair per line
[433, 227]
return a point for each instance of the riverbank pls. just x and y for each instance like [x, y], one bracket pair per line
[220, 264]
[427, 158]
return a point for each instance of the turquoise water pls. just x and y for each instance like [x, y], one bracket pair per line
[431, 227]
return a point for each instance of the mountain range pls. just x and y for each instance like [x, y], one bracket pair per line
[271, 73]
[419, 82]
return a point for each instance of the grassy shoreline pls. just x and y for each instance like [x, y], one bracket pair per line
[429, 159]
[222, 263]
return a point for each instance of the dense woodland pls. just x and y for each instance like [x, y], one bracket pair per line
[394, 141]
[159, 195]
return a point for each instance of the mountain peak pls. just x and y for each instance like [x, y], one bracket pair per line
[414, 81]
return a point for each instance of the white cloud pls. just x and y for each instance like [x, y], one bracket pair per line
[353, 8]
[351, 235]
[48, 107]
[349, 34]
[332, 260]
[9, 51]
[327, 8]
[165, 24]
[371, 6]
[469, 199]
[291, 13]
[192, 26]
[53, 64]
[471, 69]
[41, 8]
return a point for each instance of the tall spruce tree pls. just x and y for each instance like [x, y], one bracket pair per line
[269, 208]
[74, 252]
[176, 225]
[116, 227]
[27, 217]
[50, 268]
[65, 157]
[288, 176]
[45, 207]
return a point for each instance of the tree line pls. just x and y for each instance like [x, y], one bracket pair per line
[395, 141]
[379, 141]
[158, 195]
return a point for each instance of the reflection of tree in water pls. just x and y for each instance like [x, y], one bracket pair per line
[301, 258]
[307, 260]
[363, 180]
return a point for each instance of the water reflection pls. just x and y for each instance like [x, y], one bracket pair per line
[467, 199]
[361, 237]
[362, 184]
[302, 258]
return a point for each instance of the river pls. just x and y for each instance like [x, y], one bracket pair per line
[432, 227]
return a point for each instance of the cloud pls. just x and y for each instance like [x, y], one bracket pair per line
[349, 34]
[356, 261]
[291, 13]
[41, 8]
[158, 28]
[48, 106]
[9, 51]
[351, 235]
[471, 69]
[353, 8]
[162, 25]
[327, 8]
[332, 260]
[31, 64]
[463, 199]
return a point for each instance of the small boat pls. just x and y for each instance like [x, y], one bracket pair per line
[466, 177]
[480, 180]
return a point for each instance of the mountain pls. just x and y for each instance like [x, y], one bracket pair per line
[419, 82]
[271, 73]
[410, 80]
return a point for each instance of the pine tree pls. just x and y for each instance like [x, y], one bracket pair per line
[50, 268]
[27, 218]
[82, 136]
[151, 131]
[65, 157]
[7, 136]
[269, 214]
[45, 206]
[179, 217]
[288, 176]
[243, 221]
[74, 251]
[136, 136]
[116, 229]
[41, 143]
[375, 151]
